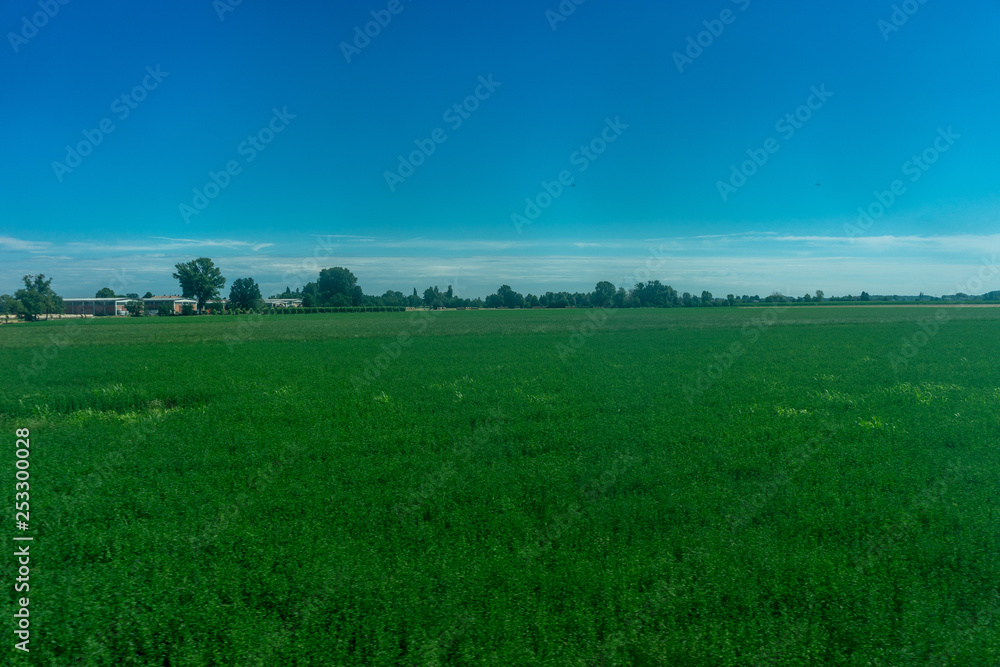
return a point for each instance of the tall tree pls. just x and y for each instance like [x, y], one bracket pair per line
[38, 298]
[200, 279]
[338, 287]
[9, 305]
[105, 293]
[604, 293]
[510, 298]
[244, 293]
[433, 297]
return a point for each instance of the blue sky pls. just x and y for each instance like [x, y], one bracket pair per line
[641, 137]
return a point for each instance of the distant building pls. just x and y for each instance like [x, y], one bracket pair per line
[96, 307]
[175, 302]
[283, 303]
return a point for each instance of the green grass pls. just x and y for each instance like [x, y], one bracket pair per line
[225, 491]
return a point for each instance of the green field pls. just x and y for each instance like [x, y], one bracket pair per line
[705, 486]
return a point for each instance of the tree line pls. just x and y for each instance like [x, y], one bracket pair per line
[337, 286]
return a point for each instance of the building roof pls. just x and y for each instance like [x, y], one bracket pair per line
[113, 299]
[169, 298]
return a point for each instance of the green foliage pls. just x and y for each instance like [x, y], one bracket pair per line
[136, 308]
[244, 294]
[9, 305]
[37, 298]
[164, 309]
[337, 286]
[105, 293]
[200, 279]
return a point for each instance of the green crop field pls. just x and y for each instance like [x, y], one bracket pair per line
[703, 486]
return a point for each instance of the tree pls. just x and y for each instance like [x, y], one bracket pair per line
[8, 305]
[819, 295]
[105, 293]
[603, 294]
[510, 298]
[37, 298]
[147, 295]
[132, 295]
[338, 287]
[244, 294]
[136, 308]
[706, 298]
[288, 294]
[391, 298]
[164, 308]
[865, 296]
[200, 279]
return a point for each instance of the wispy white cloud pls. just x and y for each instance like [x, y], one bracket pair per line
[171, 244]
[11, 243]
[755, 263]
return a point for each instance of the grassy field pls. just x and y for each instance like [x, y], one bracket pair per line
[723, 486]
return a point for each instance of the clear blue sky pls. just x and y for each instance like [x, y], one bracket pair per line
[317, 195]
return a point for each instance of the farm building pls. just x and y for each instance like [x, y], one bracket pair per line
[117, 305]
[177, 303]
[110, 306]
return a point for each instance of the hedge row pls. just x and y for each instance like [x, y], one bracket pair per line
[336, 309]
